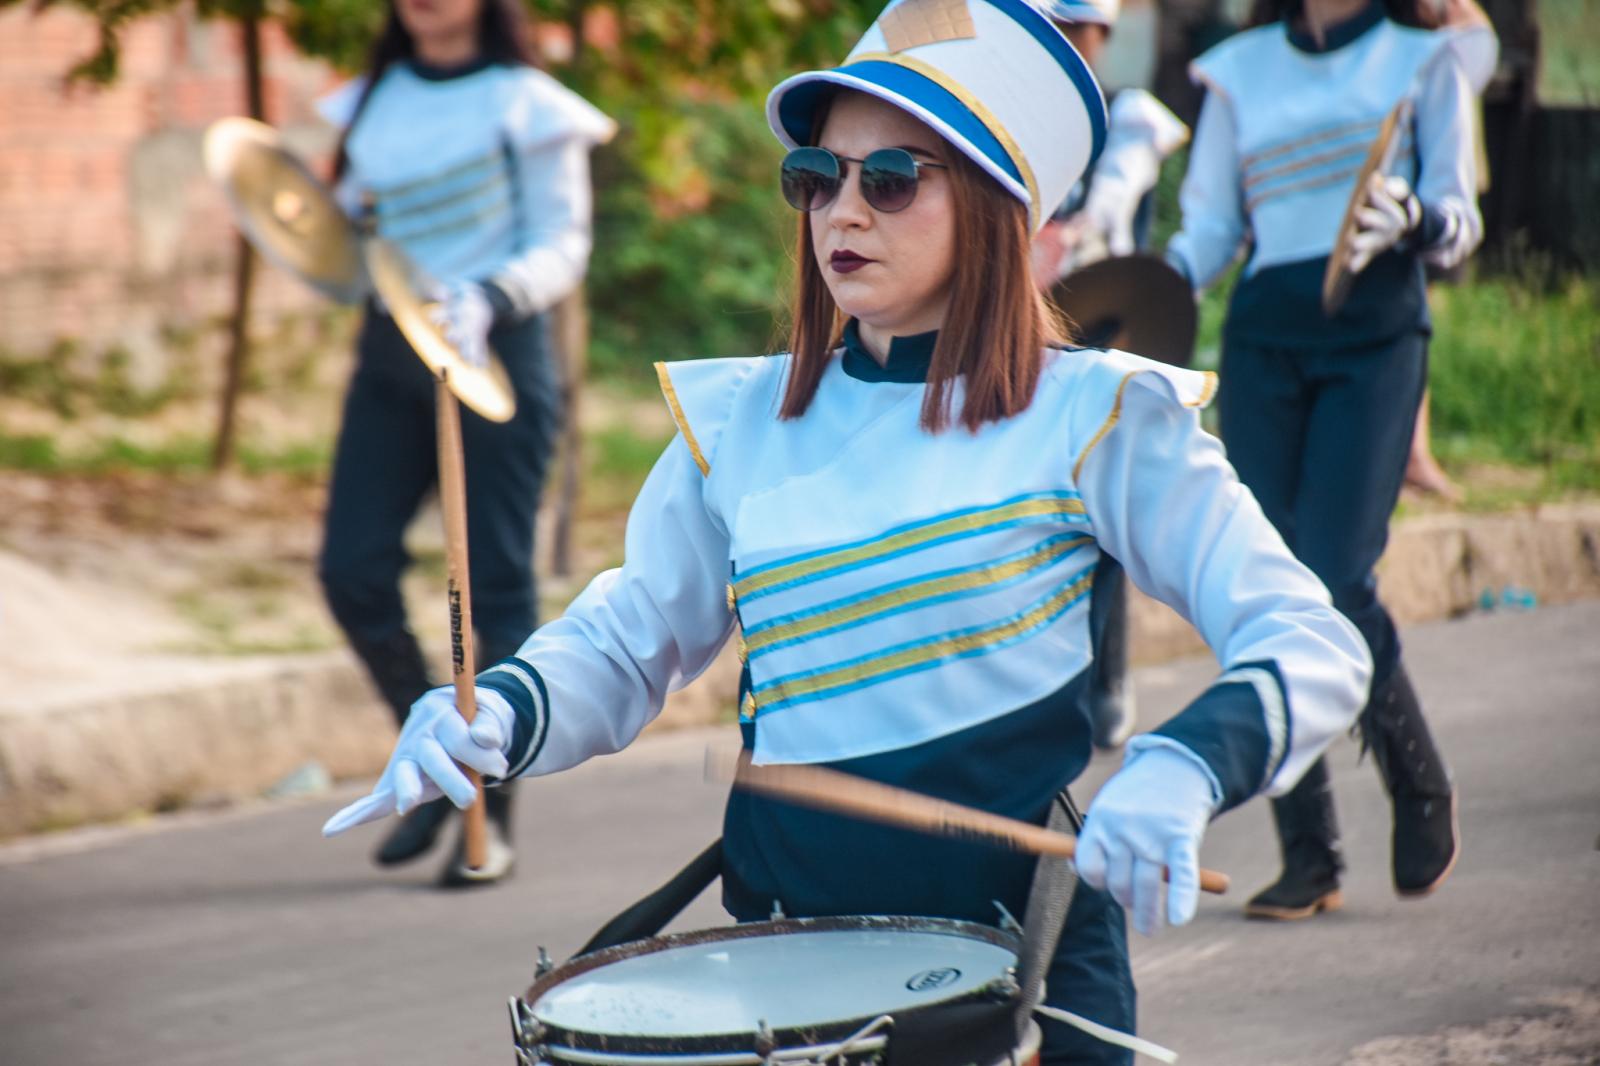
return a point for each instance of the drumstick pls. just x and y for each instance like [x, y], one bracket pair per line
[453, 501]
[830, 790]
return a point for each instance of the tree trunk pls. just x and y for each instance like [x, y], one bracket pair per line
[570, 330]
[244, 267]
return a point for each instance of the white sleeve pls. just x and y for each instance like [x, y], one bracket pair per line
[1141, 134]
[1163, 499]
[586, 683]
[1212, 197]
[1447, 183]
[553, 205]
[1478, 50]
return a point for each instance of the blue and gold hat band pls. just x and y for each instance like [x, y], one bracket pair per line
[995, 78]
[904, 84]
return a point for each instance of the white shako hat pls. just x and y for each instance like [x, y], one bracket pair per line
[995, 78]
[1103, 12]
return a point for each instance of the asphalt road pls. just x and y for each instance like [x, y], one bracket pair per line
[243, 938]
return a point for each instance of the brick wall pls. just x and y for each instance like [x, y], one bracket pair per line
[109, 229]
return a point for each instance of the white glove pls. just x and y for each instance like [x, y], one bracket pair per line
[1110, 221]
[1391, 211]
[464, 315]
[423, 764]
[1147, 818]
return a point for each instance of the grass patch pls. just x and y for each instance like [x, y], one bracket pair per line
[618, 459]
[1515, 375]
[1569, 39]
[181, 455]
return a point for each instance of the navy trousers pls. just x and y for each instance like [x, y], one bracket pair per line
[1321, 437]
[386, 463]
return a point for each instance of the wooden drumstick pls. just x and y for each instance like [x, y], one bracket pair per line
[463, 669]
[830, 790]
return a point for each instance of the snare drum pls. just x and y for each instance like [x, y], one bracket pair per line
[851, 991]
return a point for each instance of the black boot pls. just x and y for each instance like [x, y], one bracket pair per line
[401, 676]
[1426, 841]
[501, 857]
[415, 835]
[1308, 836]
[397, 668]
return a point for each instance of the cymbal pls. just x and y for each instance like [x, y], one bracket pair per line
[287, 214]
[1136, 303]
[402, 284]
[1337, 278]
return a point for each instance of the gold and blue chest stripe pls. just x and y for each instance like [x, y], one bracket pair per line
[1040, 574]
[1029, 509]
[943, 586]
[1325, 155]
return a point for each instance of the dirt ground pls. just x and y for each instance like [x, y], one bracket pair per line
[126, 570]
[1556, 1030]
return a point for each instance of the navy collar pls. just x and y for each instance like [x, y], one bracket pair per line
[1334, 37]
[428, 72]
[907, 364]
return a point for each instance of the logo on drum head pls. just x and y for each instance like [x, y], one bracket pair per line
[928, 980]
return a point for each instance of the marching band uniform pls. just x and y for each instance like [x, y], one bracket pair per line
[913, 606]
[1109, 213]
[480, 174]
[1317, 412]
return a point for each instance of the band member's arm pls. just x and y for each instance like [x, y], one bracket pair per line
[1446, 111]
[586, 683]
[1163, 499]
[1212, 198]
[553, 208]
[1141, 133]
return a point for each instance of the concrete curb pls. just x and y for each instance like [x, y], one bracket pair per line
[227, 730]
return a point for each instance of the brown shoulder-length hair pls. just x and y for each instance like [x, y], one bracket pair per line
[994, 332]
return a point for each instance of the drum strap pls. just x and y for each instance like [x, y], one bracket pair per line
[1049, 899]
[650, 915]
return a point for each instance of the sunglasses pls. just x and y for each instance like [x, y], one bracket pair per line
[812, 178]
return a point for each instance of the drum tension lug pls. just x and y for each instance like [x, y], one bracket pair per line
[526, 1032]
[766, 1039]
[544, 965]
[1007, 921]
[1006, 987]
[777, 912]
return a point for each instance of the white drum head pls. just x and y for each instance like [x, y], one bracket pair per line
[794, 980]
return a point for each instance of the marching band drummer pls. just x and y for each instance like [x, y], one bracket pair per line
[477, 165]
[903, 515]
[1317, 412]
[1109, 212]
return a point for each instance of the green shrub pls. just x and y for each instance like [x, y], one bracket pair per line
[689, 248]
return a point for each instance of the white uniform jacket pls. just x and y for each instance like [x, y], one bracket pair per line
[895, 587]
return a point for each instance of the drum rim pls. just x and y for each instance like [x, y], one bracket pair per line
[584, 1040]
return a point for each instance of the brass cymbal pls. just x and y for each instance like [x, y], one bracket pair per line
[1337, 278]
[287, 214]
[1135, 303]
[402, 285]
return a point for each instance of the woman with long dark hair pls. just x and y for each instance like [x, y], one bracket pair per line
[903, 517]
[1317, 409]
[475, 163]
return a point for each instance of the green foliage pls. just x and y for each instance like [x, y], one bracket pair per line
[1515, 372]
[690, 241]
[690, 256]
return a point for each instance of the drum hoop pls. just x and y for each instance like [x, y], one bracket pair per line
[594, 1048]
